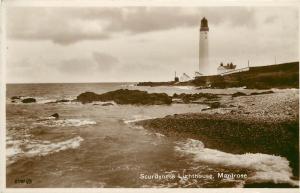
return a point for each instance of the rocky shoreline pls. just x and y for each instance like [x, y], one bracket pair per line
[257, 123]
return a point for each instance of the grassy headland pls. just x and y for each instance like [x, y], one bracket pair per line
[284, 75]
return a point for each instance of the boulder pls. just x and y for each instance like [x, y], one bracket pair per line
[107, 104]
[29, 100]
[55, 115]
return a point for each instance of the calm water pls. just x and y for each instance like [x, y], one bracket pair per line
[98, 146]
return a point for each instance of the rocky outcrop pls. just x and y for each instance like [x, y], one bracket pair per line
[125, 96]
[55, 115]
[29, 100]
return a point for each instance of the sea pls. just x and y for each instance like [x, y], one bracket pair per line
[99, 146]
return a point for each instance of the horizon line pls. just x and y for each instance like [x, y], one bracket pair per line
[94, 82]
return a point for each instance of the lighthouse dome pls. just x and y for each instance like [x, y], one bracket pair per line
[204, 24]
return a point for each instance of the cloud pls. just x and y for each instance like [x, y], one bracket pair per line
[99, 62]
[68, 25]
[105, 62]
[270, 19]
[76, 66]
[55, 24]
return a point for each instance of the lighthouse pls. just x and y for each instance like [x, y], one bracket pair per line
[203, 48]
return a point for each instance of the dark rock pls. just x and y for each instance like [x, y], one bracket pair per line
[125, 96]
[15, 97]
[55, 115]
[29, 100]
[88, 97]
[258, 93]
[206, 109]
[215, 105]
[237, 94]
[59, 101]
[107, 104]
[63, 101]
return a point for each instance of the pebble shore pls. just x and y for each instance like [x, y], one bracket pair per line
[265, 123]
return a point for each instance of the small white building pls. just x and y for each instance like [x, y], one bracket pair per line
[226, 68]
[198, 74]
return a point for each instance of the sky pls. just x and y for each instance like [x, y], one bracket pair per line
[132, 44]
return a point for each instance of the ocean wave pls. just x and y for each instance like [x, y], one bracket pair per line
[42, 148]
[13, 150]
[17, 149]
[52, 122]
[268, 168]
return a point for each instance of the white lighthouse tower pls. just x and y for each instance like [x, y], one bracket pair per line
[203, 48]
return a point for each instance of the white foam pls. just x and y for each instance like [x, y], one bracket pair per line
[13, 150]
[31, 148]
[43, 148]
[65, 122]
[159, 135]
[268, 168]
[41, 100]
[137, 118]
[102, 103]
[186, 87]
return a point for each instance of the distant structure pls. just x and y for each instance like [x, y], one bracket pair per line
[198, 74]
[184, 77]
[176, 79]
[229, 67]
[203, 47]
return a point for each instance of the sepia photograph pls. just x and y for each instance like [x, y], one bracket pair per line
[152, 96]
